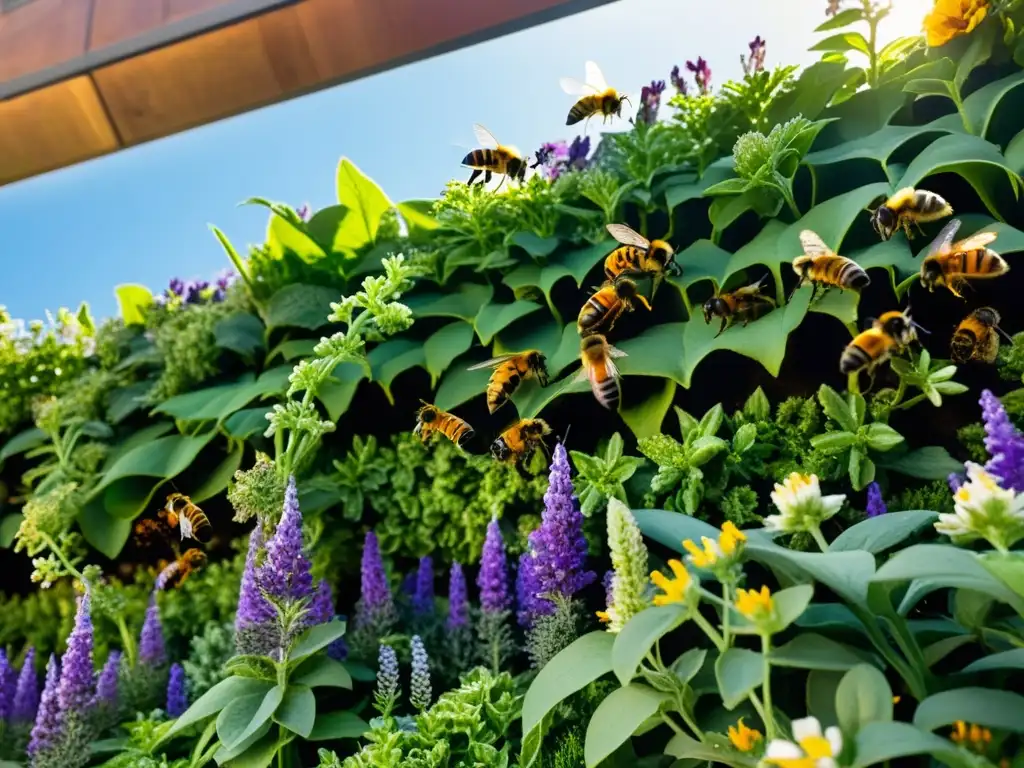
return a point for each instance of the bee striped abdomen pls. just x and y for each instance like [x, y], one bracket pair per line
[501, 387]
[868, 349]
[606, 389]
[621, 259]
[583, 109]
[482, 158]
[840, 272]
[455, 429]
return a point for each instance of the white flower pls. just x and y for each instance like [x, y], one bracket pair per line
[811, 750]
[984, 510]
[801, 505]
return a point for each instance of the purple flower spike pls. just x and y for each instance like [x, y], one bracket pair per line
[253, 608]
[286, 573]
[578, 151]
[176, 287]
[47, 724]
[8, 683]
[375, 595]
[177, 700]
[756, 61]
[26, 696]
[106, 686]
[423, 598]
[955, 481]
[493, 576]
[606, 582]
[650, 101]
[701, 73]
[303, 212]
[458, 600]
[677, 81]
[75, 691]
[321, 607]
[529, 605]
[152, 651]
[1004, 444]
[876, 505]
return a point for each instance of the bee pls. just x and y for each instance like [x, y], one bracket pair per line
[953, 264]
[175, 573]
[520, 440]
[977, 337]
[430, 419]
[906, 207]
[596, 98]
[605, 306]
[892, 332]
[745, 304]
[181, 513]
[640, 256]
[820, 265]
[596, 355]
[509, 372]
[494, 158]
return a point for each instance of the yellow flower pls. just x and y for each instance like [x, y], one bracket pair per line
[730, 539]
[675, 589]
[811, 749]
[743, 738]
[702, 558]
[603, 616]
[952, 18]
[755, 605]
[972, 736]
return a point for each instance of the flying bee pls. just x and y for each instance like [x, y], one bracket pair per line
[953, 264]
[605, 306]
[640, 256]
[596, 355]
[908, 206]
[744, 304]
[977, 337]
[494, 158]
[509, 372]
[820, 265]
[181, 513]
[596, 97]
[892, 332]
[175, 573]
[430, 419]
[520, 440]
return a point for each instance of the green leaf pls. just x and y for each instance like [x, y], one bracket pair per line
[878, 534]
[645, 418]
[323, 226]
[878, 146]
[863, 697]
[844, 41]
[285, 236]
[218, 480]
[841, 19]
[418, 215]
[103, 532]
[880, 742]
[217, 403]
[391, 358]
[845, 573]
[882, 437]
[9, 526]
[247, 422]
[322, 672]
[337, 392]
[757, 407]
[672, 528]
[1013, 659]
[243, 716]
[639, 636]
[704, 449]
[31, 438]
[929, 463]
[581, 663]
[445, 345]
[711, 421]
[215, 699]
[978, 52]
[241, 332]
[315, 638]
[297, 712]
[929, 86]
[366, 203]
[133, 301]
[837, 409]
[744, 438]
[980, 107]
[738, 672]
[301, 306]
[940, 649]
[988, 707]
[1008, 568]
[790, 603]
[124, 401]
[338, 725]
[538, 247]
[464, 302]
[833, 442]
[258, 751]
[617, 718]
[734, 186]
[493, 318]
[813, 651]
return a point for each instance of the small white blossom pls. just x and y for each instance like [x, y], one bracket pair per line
[812, 748]
[984, 510]
[801, 505]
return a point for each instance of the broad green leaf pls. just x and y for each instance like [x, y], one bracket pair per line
[124, 401]
[701, 261]
[929, 463]
[240, 265]
[617, 718]
[243, 716]
[813, 91]
[940, 649]
[337, 392]
[881, 437]
[135, 439]
[812, 651]
[493, 318]
[1013, 659]
[645, 418]
[103, 532]
[338, 725]
[297, 711]
[241, 332]
[878, 146]
[393, 357]
[690, 189]
[863, 697]
[581, 663]
[790, 603]
[672, 528]
[217, 403]
[31, 438]
[322, 672]
[639, 636]
[444, 345]
[842, 305]
[841, 19]
[833, 442]
[1008, 568]
[464, 302]
[322, 227]
[418, 215]
[981, 105]
[132, 301]
[301, 306]
[842, 42]
[366, 203]
[459, 384]
[247, 422]
[837, 409]
[215, 699]
[979, 50]
[9, 526]
[1014, 153]
[536, 246]
[929, 86]
[820, 695]
[686, 749]
[880, 742]
[284, 236]
[738, 672]
[878, 534]
[315, 638]
[845, 573]
[560, 344]
[988, 707]
[218, 480]
[257, 751]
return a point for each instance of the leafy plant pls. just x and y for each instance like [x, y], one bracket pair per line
[602, 477]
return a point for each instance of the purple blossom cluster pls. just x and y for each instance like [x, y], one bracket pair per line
[286, 574]
[678, 81]
[75, 692]
[423, 595]
[106, 685]
[701, 75]
[198, 291]
[458, 599]
[26, 694]
[46, 731]
[875, 504]
[650, 101]
[556, 158]
[8, 681]
[757, 53]
[177, 699]
[152, 651]
[493, 577]
[375, 599]
[1004, 443]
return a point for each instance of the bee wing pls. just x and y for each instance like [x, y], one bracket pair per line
[627, 236]
[813, 245]
[492, 363]
[574, 87]
[943, 239]
[595, 78]
[485, 137]
[186, 527]
[613, 352]
[977, 240]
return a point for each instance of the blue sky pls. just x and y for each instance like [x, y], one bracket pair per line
[141, 215]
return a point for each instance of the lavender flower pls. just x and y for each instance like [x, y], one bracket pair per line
[558, 546]
[1004, 444]
[303, 212]
[387, 680]
[375, 596]
[106, 686]
[529, 604]
[650, 101]
[177, 700]
[26, 696]
[176, 287]
[8, 682]
[578, 151]
[46, 730]
[552, 157]
[253, 607]
[194, 291]
[152, 652]
[955, 480]
[607, 581]
[756, 61]
[702, 74]
[224, 281]
[419, 683]
[678, 82]
[493, 576]
[321, 611]
[458, 601]
[423, 598]
[876, 505]
[75, 691]
[408, 587]
[286, 575]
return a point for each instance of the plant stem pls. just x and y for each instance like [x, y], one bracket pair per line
[726, 632]
[769, 715]
[692, 725]
[643, 221]
[872, 50]
[910, 403]
[819, 539]
[853, 383]
[710, 631]
[672, 724]
[127, 641]
[787, 194]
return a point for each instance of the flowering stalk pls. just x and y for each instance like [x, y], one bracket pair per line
[419, 683]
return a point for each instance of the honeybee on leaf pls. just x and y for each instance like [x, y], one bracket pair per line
[640, 256]
[509, 372]
[908, 206]
[596, 97]
[493, 158]
[607, 304]
[821, 266]
[892, 332]
[431, 419]
[742, 305]
[954, 264]
[977, 337]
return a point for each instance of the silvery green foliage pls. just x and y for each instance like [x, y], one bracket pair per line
[204, 667]
[552, 632]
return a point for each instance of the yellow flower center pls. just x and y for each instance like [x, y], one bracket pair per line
[730, 539]
[816, 746]
[754, 604]
[674, 589]
[742, 737]
[972, 736]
